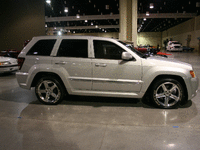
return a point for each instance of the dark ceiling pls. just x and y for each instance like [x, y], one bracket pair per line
[95, 7]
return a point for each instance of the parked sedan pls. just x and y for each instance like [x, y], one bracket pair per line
[8, 64]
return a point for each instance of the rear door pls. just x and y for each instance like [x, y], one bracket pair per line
[72, 59]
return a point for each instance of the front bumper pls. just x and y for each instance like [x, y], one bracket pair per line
[4, 69]
[192, 90]
[176, 49]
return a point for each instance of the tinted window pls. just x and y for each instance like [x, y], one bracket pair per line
[73, 48]
[107, 50]
[42, 47]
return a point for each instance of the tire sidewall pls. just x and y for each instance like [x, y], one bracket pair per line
[59, 85]
[157, 84]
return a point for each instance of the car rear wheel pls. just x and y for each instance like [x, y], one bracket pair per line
[167, 93]
[49, 90]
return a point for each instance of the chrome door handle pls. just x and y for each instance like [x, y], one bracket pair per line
[61, 63]
[100, 65]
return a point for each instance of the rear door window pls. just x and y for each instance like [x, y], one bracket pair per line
[42, 47]
[73, 48]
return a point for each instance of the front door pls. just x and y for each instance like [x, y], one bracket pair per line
[111, 73]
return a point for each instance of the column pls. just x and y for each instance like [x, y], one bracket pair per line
[128, 20]
[134, 22]
[123, 19]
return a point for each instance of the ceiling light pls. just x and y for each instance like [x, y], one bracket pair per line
[59, 33]
[86, 21]
[147, 13]
[96, 26]
[77, 16]
[151, 5]
[48, 2]
[107, 7]
[92, 24]
[145, 19]
[66, 9]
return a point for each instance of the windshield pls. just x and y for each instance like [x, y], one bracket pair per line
[133, 49]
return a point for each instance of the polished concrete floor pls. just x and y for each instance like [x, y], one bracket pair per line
[96, 123]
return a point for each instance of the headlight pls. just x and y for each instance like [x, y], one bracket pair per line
[5, 63]
[192, 74]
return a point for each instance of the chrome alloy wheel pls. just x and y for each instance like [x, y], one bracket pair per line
[167, 94]
[48, 91]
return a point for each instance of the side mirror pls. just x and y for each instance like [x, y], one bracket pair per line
[126, 56]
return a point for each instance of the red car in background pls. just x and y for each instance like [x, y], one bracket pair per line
[12, 52]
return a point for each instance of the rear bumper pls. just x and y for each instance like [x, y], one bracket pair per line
[22, 79]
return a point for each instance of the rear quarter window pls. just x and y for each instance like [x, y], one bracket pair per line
[42, 47]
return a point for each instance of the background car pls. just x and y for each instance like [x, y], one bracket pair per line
[10, 53]
[174, 46]
[8, 64]
[185, 48]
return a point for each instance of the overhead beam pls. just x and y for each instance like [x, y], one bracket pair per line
[88, 17]
[168, 15]
[116, 16]
[86, 27]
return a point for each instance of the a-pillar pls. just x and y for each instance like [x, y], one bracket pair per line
[128, 20]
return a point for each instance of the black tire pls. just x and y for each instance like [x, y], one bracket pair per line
[50, 90]
[167, 93]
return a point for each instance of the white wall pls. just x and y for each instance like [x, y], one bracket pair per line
[109, 34]
[151, 38]
[181, 32]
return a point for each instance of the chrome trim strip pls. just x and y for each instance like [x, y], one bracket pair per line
[23, 84]
[106, 80]
[22, 73]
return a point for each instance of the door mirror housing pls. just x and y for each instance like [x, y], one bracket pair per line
[126, 56]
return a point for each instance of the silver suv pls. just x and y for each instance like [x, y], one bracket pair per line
[97, 66]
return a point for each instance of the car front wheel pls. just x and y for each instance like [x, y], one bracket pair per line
[167, 93]
[49, 90]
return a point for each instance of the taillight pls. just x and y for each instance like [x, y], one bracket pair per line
[20, 62]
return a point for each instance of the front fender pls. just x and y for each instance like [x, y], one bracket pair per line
[149, 74]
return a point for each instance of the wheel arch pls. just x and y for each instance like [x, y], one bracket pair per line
[44, 74]
[176, 77]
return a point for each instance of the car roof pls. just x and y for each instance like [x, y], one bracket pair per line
[71, 36]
